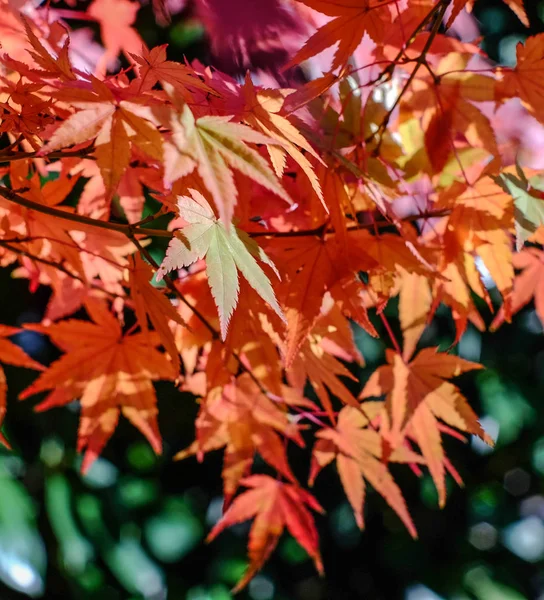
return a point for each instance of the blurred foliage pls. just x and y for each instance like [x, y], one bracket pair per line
[135, 526]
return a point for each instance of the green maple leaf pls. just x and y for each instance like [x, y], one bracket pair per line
[528, 203]
[226, 252]
[217, 145]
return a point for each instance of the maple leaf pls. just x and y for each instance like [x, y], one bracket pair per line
[524, 79]
[109, 372]
[50, 67]
[529, 204]
[274, 505]
[358, 453]
[445, 101]
[12, 355]
[215, 144]
[515, 5]
[310, 266]
[154, 67]
[353, 18]
[116, 18]
[226, 252]
[414, 308]
[113, 125]
[322, 370]
[149, 301]
[407, 386]
[264, 108]
[241, 419]
[528, 285]
[252, 335]
[42, 235]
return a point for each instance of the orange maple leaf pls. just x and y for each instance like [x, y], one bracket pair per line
[358, 452]
[515, 5]
[274, 505]
[109, 372]
[241, 419]
[113, 124]
[353, 18]
[150, 302]
[528, 285]
[12, 355]
[153, 67]
[417, 393]
[525, 79]
[116, 18]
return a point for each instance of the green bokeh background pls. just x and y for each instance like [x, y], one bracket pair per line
[135, 526]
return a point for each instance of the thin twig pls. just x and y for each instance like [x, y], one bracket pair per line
[6, 158]
[127, 229]
[58, 266]
[422, 58]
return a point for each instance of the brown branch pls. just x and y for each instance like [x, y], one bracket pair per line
[132, 230]
[58, 266]
[320, 231]
[421, 59]
[6, 158]
[126, 229]
[172, 287]
[388, 71]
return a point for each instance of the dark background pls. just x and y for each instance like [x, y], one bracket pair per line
[135, 526]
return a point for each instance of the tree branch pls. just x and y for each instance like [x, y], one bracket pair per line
[126, 229]
[7, 158]
[50, 263]
[421, 59]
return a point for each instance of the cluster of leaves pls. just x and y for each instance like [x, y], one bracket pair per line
[329, 199]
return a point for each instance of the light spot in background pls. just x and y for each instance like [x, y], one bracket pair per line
[102, 473]
[487, 280]
[506, 404]
[483, 536]
[52, 451]
[531, 322]
[174, 532]
[525, 539]
[261, 588]
[31, 342]
[517, 482]
[216, 592]
[420, 592]
[480, 582]
[343, 526]
[12, 466]
[484, 501]
[532, 506]
[20, 575]
[470, 345]
[538, 456]
[494, 21]
[491, 427]
[507, 49]
[215, 511]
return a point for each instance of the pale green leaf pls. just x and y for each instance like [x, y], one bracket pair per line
[222, 277]
[246, 160]
[225, 252]
[186, 247]
[254, 275]
[256, 251]
[217, 145]
[195, 209]
[223, 127]
[529, 208]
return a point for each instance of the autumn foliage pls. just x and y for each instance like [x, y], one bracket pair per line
[370, 166]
